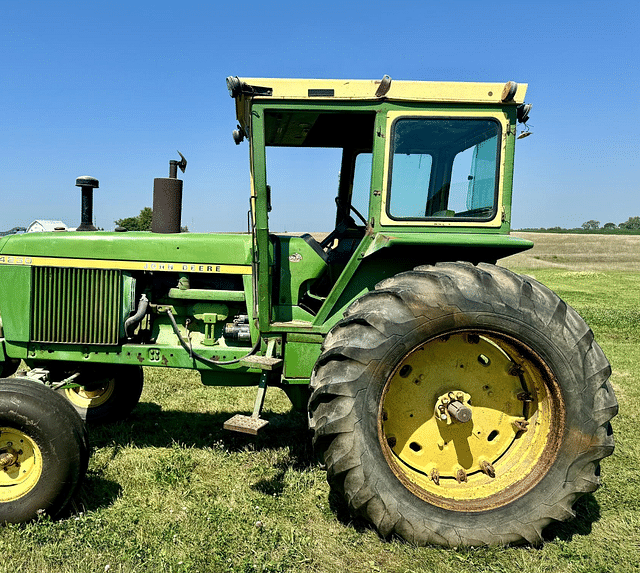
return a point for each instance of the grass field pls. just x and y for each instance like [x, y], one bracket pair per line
[169, 490]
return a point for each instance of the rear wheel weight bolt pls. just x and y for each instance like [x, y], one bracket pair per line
[520, 425]
[524, 397]
[516, 370]
[488, 469]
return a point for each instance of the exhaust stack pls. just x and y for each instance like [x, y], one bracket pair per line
[167, 199]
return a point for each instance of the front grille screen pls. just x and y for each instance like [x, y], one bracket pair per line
[76, 306]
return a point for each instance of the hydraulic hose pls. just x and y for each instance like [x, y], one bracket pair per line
[138, 316]
[194, 354]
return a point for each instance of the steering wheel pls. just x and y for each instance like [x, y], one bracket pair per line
[341, 229]
[358, 214]
[343, 226]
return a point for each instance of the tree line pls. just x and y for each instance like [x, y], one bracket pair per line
[141, 222]
[630, 226]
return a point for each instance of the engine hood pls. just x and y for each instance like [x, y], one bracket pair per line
[143, 247]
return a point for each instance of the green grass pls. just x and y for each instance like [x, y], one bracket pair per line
[169, 490]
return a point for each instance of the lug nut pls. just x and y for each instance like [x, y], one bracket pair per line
[488, 469]
[525, 397]
[461, 476]
[435, 476]
[520, 425]
[516, 370]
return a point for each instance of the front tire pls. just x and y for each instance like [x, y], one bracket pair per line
[43, 451]
[462, 405]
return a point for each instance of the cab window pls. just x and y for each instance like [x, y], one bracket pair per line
[444, 168]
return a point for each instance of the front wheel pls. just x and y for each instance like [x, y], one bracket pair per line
[106, 395]
[462, 405]
[43, 451]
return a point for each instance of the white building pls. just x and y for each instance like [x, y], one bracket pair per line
[41, 225]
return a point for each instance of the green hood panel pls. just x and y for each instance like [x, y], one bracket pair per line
[210, 248]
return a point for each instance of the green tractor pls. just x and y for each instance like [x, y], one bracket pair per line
[451, 401]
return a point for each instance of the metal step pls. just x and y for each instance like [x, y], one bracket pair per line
[250, 424]
[245, 424]
[262, 362]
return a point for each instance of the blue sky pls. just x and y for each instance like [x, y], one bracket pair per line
[112, 89]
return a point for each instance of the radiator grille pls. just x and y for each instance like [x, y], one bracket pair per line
[81, 306]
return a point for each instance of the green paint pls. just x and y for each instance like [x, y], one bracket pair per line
[172, 249]
[15, 302]
[300, 358]
[205, 294]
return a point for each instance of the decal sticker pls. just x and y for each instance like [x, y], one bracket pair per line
[126, 265]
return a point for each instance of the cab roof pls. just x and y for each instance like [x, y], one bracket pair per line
[371, 90]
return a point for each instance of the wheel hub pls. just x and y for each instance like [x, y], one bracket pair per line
[457, 413]
[91, 396]
[8, 458]
[20, 464]
[453, 407]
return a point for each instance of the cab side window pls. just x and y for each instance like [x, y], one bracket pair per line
[444, 168]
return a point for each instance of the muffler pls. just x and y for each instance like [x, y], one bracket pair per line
[167, 199]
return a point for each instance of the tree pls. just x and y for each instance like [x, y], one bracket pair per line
[632, 224]
[140, 223]
[609, 226]
[591, 225]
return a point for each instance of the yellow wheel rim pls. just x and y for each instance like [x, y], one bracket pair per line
[508, 444]
[20, 464]
[93, 397]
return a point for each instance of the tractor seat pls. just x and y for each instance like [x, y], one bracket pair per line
[317, 247]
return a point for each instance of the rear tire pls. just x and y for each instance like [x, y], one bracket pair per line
[44, 451]
[504, 347]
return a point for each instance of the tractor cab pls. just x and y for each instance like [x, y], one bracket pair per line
[423, 172]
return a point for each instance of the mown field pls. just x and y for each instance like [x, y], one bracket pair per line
[169, 490]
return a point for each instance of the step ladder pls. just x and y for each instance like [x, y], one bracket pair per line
[254, 423]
